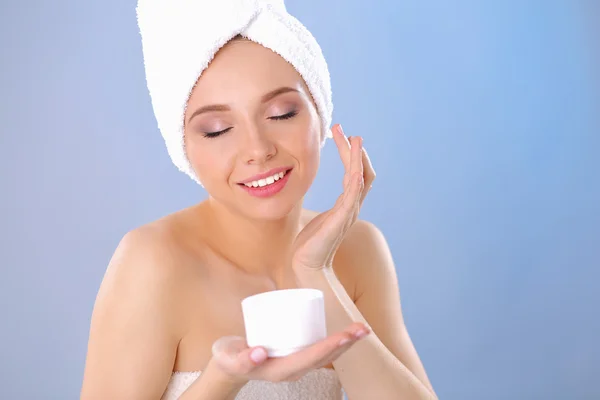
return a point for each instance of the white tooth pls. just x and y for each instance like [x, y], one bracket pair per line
[266, 181]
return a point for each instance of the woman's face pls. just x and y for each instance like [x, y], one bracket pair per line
[250, 113]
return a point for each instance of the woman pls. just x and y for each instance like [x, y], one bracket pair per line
[167, 321]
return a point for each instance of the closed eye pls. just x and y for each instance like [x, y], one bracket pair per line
[289, 115]
[215, 134]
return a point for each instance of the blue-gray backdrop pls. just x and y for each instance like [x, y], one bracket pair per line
[482, 120]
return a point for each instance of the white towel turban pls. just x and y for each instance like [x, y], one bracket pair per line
[181, 37]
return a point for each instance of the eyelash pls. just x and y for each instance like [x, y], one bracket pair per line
[289, 115]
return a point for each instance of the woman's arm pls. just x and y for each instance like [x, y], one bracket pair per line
[134, 331]
[385, 364]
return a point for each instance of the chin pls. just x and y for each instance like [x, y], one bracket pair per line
[274, 208]
[274, 212]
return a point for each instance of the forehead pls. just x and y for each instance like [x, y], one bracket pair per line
[243, 68]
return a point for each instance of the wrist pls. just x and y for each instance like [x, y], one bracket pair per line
[312, 277]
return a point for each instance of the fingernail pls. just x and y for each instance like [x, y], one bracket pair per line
[258, 355]
[340, 129]
[361, 333]
[344, 341]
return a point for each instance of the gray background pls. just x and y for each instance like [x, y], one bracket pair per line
[481, 119]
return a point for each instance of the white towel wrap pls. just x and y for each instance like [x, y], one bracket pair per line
[181, 37]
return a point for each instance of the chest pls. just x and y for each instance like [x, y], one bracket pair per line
[214, 310]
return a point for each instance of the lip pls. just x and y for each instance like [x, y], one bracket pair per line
[268, 190]
[265, 174]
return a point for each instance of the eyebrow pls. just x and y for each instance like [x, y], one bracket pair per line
[222, 107]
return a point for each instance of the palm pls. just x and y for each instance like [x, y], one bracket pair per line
[316, 245]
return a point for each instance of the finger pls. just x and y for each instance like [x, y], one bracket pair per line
[368, 174]
[349, 203]
[345, 153]
[316, 354]
[343, 341]
[234, 356]
[336, 354]
[356, 157]
[342, 348]
[343, 198]
[356, 167]
[357, 170]
[327, 360]
[343, 146]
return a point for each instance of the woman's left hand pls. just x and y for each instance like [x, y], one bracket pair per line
[316, 245]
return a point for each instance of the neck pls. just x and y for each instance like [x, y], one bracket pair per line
[255, 246]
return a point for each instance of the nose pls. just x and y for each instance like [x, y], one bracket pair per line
[257, 147]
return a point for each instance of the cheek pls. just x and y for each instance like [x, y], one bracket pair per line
[308, 128]
[209, 164]
[310, 149]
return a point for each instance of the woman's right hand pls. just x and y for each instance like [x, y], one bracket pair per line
[241, 363]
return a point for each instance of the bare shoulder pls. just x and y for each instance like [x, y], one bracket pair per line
[366, 256]
[151, 264]
[361, 250]
[136, 323]
[145, 256]
[366, 238]
[366, 253]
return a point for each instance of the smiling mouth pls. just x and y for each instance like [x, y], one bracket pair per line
[265, 182]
